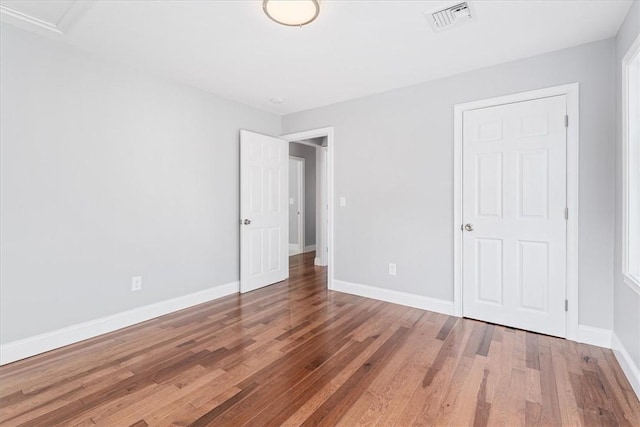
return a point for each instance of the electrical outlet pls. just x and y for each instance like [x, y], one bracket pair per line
[392, 269]
[343, 202]
[136, 283]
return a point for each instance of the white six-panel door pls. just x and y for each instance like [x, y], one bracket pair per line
[264, 194]
[514, 200]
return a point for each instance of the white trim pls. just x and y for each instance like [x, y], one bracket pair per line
[309, 248]
[573, 185]
[396, 297]
[301, 203]
[293, 249]
[315, 133]
[630, 369]
[308, 144]
[13, 14]
[632, 283]
[457, 210]
[31, 346]
[629, 57]
[572, 93]
[321, 206]
[46, 28]
[594, 336]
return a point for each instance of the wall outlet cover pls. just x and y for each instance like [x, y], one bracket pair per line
[392, 269]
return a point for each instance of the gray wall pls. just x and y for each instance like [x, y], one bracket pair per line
[626, 302]
[309, 155]
[394, 165]
[108, 173]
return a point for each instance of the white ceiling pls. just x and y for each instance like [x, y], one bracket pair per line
[47, 11]
[355, 48]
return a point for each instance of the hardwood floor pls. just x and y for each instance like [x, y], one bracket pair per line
[297, 354]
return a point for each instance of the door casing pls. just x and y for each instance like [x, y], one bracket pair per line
[300, 223]
[316, 133]
[572, 93]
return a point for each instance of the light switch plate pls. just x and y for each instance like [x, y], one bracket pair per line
[343, 202]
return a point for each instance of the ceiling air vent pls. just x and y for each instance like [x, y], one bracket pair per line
[446, 18]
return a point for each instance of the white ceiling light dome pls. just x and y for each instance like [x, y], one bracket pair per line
[293, 13]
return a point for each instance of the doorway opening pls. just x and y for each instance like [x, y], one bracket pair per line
[310, 199]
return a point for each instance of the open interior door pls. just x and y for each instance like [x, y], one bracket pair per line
[264, 228]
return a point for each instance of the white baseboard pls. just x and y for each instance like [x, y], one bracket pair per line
[317, 261]
[586, 334]
[594, 336]
[630, 369]
[294, 249]
[396, 297]
[309, 248]
[31, 346]
[608, 339]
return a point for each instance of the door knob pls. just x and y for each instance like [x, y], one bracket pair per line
[468, 227]
[246, 222]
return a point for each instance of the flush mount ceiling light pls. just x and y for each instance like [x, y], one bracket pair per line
[292, 13]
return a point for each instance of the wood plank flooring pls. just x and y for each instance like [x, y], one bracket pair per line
[296, 354]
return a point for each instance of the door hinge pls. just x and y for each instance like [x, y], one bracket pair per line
[566, 120]
[566, 213]
[566, 305]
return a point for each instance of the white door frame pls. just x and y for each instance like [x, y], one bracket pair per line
[321, 207]
[572, 93]
[301, 201]
[317, 133]
[320, 245]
